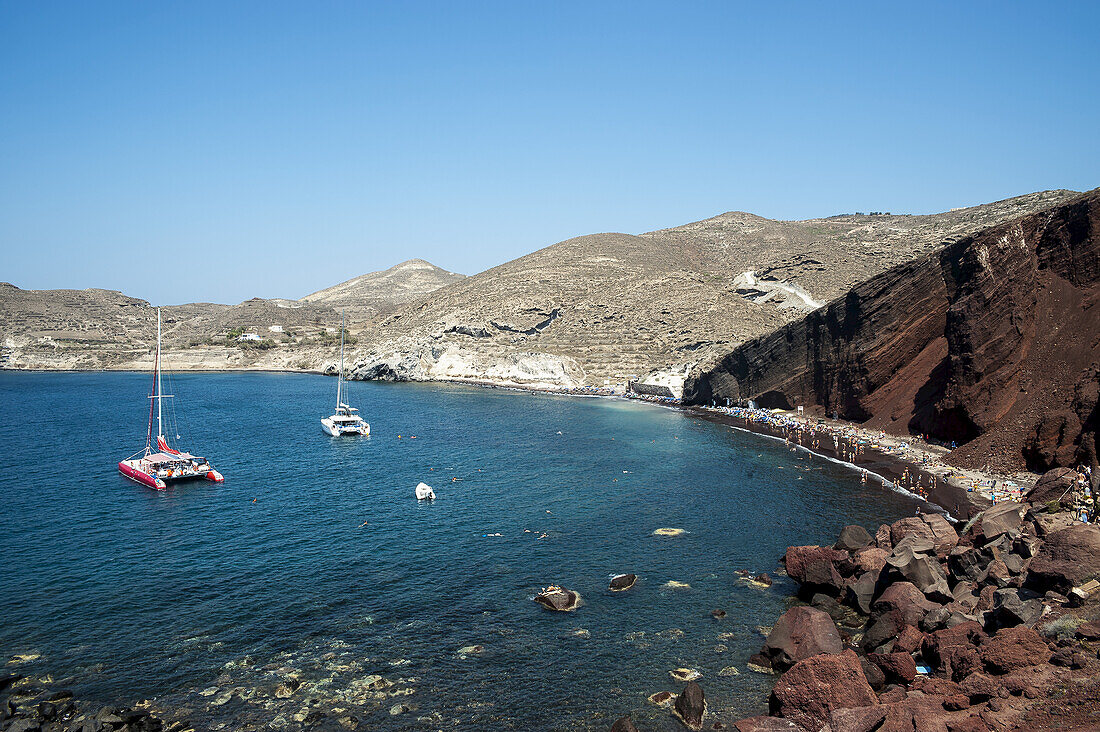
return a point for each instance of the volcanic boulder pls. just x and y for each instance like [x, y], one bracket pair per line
[690, 706]
[1053, 485]
[871, 559]
[1001, 519]
[899, 667]
[813, 688]
[800, 633]
[1014, 648]
[853, 538]
[558, 599]
[954, 650]
[1016, 607]
[922, 571]
[815, 567]
[1069, 557]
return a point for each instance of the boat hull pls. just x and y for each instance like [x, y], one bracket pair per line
[140, 476]
[337, 430]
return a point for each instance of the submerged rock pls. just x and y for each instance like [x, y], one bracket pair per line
[668, 532]
[624, 724]
[558, 599]
[662, 698]
[685, 674]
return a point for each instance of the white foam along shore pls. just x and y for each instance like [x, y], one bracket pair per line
[980, 488]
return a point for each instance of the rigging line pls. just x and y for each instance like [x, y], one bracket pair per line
[174, 411]
[152, 393]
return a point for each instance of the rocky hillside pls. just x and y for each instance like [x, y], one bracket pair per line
[92, 329]
[381, 292]
[593, 311]
[992, 341]
[607, 308]
[1002, 616]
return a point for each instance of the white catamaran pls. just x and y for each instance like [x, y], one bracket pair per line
[346, 419]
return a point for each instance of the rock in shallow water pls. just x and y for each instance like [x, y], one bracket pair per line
[558, 599]
[685, 674]
[624, 724]
[662, 698]
[690, 706]
[799, 633]
[622, 582]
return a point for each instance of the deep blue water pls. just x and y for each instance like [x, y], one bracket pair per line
[127, 593]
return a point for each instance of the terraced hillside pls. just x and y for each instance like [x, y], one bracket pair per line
[94, 329]
[607, 308]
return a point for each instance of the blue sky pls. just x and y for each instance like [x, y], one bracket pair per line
[271, 148]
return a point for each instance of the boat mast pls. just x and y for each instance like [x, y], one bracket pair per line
[160, 399]
[340, 376]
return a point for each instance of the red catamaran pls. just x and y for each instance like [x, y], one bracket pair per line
[156, 469]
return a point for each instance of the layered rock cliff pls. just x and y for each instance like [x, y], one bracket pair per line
[992, 341]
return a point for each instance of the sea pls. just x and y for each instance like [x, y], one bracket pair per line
[312, 590]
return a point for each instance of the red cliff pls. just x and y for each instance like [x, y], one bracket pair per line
[992, 341]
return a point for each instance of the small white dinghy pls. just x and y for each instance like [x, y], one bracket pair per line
[424, 492]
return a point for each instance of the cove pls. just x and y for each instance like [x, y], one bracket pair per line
[264, 600]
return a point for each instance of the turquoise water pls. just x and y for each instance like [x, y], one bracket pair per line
[207, 597]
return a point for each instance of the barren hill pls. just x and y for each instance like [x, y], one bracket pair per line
[610, 307]
[91, 329]
[382, 292]
[592, 311]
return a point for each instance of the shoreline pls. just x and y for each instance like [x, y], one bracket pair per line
[931, 480]
[926, 477]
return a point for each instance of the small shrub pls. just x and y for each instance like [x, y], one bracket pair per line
[1063, 628]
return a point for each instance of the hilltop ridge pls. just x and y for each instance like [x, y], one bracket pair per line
[383, 291]
[592, 311]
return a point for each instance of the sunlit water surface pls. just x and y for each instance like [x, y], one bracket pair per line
[216, 600]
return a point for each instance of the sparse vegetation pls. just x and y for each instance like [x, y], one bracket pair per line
[1063, 628]
[333, 339]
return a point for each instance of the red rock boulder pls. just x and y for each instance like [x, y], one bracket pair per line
[1014, 648]
[815, 566]
[871, 559]
[955, 650]
[1053, 485]
[1068, 558]
[899, 668]
[813, 688]
[800, 633]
